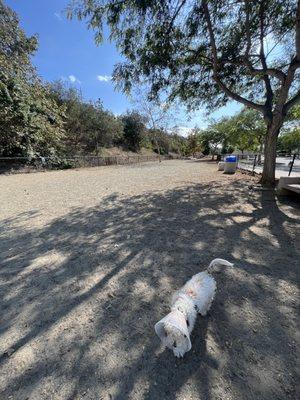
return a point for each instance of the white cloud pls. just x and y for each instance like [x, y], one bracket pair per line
[184, 130]
[58, 16]
[73, 79]
[103, 78]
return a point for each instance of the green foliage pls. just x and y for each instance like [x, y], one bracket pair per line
[160, 140]
[294, 113]
[15, 47]
[213, 137]
[178, 144]
[88, 126]
[30, 121]
[244, 131]
[194, 144]
[168, 44]
[134, 130]
[289, 142]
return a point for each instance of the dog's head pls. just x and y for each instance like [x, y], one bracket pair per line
[173, 332]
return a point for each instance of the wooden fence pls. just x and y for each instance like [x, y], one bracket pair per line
[24, 164]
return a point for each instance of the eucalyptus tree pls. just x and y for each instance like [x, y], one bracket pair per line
[208, 52]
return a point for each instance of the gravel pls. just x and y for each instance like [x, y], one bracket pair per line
[90, 258]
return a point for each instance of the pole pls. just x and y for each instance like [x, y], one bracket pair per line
[254, 163]
[292, 164]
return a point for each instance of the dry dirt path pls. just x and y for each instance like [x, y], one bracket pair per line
[89, 259]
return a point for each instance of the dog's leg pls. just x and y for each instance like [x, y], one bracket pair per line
[203, 310]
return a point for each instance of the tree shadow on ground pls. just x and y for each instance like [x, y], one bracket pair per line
[81, 297]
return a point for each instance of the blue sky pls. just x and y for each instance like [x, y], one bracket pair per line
[67, 51]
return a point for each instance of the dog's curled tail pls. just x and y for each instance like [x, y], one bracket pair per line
[218, 261]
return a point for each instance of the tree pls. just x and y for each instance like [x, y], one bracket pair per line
[134, 129]
[208, 52]
[194, 142]
[178, 144]
[15, 47]
[244, 131]
[294, 114]
[161, 141]
[158, 116]
[30, 121]
[289, 141]
[88, 125]
[214, 138]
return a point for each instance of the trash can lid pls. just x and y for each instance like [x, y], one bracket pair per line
[230, 159]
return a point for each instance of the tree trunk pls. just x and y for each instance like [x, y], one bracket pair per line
[158, 149]
[268, 175]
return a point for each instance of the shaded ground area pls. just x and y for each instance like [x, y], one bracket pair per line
[90, 258]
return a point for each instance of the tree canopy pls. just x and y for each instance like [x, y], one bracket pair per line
[203, 52]
[243, 131]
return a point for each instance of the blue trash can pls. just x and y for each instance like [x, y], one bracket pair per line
[230, 164]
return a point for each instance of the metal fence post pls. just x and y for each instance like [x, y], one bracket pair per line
[292, 164]
[254, 164]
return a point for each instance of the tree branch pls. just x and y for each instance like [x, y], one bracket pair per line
[294, 65]
[280, 75]
[248, 36]
[215, 60]
[298, 32]
[277, 73]
[175, 16]
[269, 91]
[292, 102]
[256, 71]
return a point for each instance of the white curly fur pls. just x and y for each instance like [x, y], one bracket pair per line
[194, 297]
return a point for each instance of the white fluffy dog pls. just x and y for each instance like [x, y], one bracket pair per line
[194, 297]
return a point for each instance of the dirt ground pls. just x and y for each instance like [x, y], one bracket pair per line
[90, 258]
